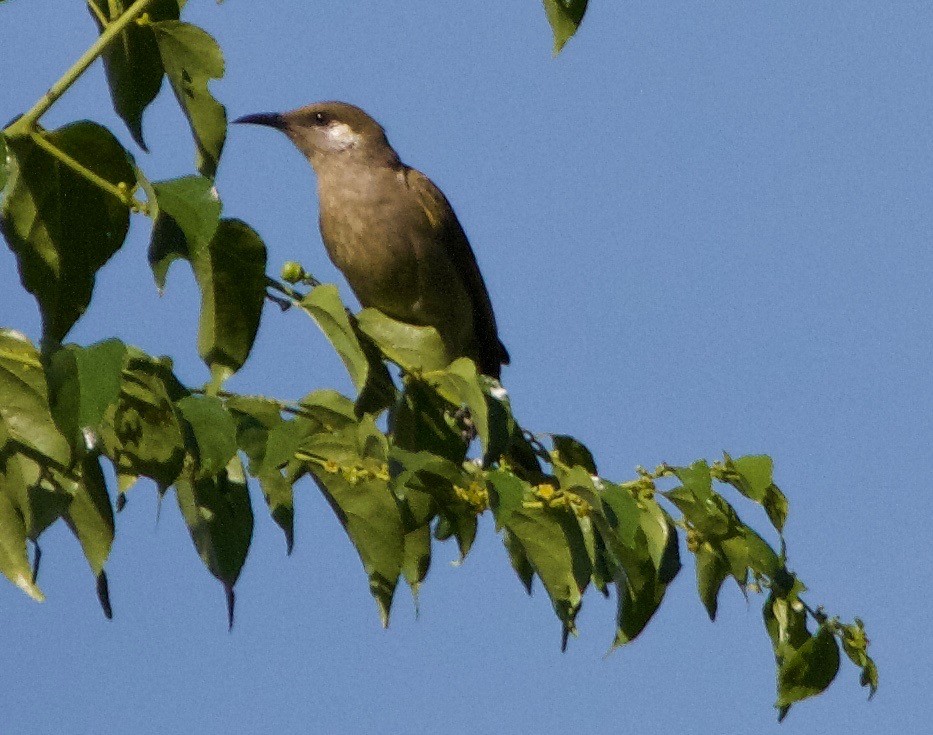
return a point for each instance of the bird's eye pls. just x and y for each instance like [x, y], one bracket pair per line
[320, 118]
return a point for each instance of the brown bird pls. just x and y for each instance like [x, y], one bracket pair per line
[391, 231]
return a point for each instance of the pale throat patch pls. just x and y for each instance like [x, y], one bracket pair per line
[342, 136]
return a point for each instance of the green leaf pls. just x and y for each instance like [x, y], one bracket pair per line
[14, 562]
[255, 417]
[323, 304]
[367, 372]
[214, 432]
[333, 410]
[219, 516]
[61, 227]
[461, 385]
[809, 669]
[712, 571]
[280, 498]
[519, 560]
[349, 468]
[25, 416]
[232, 276]
[90, 514]
[85, 383]
[187, 214]
[411, 347]
[565, 17]
[142, 434]
[416, 558]
[35, 492]
[4, 163]
[551, 540]
[420, 420]
[643, 575]
[573, 453]
[191, 58]
[753, 477]
[132, 62]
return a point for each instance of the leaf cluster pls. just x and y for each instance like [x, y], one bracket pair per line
[415, 457]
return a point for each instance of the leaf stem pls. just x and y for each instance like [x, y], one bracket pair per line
[123, 195]
[28, 121]
[101, 18]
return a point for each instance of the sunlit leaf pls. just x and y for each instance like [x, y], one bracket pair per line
[14, 562]
[411, 347]
[565, 17]
[61, 227]
[367, 372]
[187, 213]
[753, 477]
[191, 58]
[25, 416]
[84, 383]
[214, 432]
[132, 62]
[35, 492]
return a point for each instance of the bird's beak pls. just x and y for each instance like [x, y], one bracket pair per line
[270, 119]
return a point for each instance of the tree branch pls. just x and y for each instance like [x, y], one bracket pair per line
[28, 121]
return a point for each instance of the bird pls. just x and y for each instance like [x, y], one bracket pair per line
[391, 231]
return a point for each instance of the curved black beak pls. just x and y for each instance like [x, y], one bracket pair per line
[270, 119]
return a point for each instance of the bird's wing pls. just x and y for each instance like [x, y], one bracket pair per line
[440, 214]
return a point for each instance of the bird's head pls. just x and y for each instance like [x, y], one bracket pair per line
[330, 132]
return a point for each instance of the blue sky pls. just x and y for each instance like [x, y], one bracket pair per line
[703, 228]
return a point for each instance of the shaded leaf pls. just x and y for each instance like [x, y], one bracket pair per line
[142, 434]
[61, 227]
[809, 669]
[214, 432]
[132, 62]
[90, 513]
[219, 516]
[350, 469]
[421, 421]
[573, 453]
[25, 416]
[232, 276]
[712, 571]
[4, 164]
[461, 385]
[191, 58]
[416, 557]
[280, 498]
[565, 17]
[519, 560]
[550, 538]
